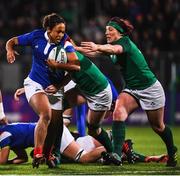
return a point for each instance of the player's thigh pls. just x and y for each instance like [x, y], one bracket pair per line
[40, 104]
[125, 104]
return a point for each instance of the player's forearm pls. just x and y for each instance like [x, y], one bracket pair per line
[109, 49]
[93, 54]
[69, 67]
[93, 155]
[11, 43]
[88, 53]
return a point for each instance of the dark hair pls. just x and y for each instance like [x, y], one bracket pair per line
[51, 20]
[125, 25]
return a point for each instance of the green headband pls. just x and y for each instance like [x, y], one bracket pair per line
[116, 26]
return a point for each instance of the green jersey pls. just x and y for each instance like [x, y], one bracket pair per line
[89, 79]
[135, 70]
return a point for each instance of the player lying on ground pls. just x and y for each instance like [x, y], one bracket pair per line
[130, 155]
[19, 136]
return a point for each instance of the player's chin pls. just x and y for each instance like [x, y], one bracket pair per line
[108, 40]
[57, 40]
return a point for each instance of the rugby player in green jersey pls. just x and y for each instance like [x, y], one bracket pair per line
[142, 89]
[91, 87]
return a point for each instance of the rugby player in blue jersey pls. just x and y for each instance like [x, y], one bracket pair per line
[42, 41]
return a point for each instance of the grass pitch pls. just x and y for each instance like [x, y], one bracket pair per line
[145, 142]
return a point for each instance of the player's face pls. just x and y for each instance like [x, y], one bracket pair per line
[57, 33]
[112, 34]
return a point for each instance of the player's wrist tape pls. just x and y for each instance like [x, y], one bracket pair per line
[2, 115]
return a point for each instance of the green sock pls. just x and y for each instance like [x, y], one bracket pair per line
[167, 137]
[104, 140]
[118, 134]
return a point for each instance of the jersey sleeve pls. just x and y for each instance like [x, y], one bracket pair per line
[125, 43]
[5, 139]
[26, 39]
[69, 48]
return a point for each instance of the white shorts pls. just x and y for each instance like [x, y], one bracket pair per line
[31, 88]
[66, 139]
[69, 86]
[151, 98]
[101, 101]
[86, 143]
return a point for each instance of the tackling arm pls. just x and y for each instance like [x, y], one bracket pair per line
[73, 63]
[107, 48]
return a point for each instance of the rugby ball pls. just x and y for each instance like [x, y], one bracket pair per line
[58, 54]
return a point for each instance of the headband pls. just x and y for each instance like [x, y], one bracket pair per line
[116, 26]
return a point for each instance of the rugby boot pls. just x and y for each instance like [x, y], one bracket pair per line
[38, 159]
[128, 150]
[111, 158]
[53, 161]
[172, 160]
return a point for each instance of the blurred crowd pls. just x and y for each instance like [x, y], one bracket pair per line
[156, 22]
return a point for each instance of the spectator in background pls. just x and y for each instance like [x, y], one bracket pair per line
[22, 16]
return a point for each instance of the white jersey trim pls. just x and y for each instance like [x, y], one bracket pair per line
[4, 135]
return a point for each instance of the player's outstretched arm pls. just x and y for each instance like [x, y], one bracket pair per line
[10, 49]
[18, 93]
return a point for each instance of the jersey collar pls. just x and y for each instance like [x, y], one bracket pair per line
[48, 39]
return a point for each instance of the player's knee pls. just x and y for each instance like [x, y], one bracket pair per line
[45, 117]
[120, 114]
[158, 128]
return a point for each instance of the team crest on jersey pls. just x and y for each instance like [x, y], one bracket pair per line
[63, 56]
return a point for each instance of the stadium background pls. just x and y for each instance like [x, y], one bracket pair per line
[157, 26]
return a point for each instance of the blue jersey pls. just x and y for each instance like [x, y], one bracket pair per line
[39, 42]
[17, 135]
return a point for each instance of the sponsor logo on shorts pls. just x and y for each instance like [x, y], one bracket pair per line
[153, 104]
[37, 89]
